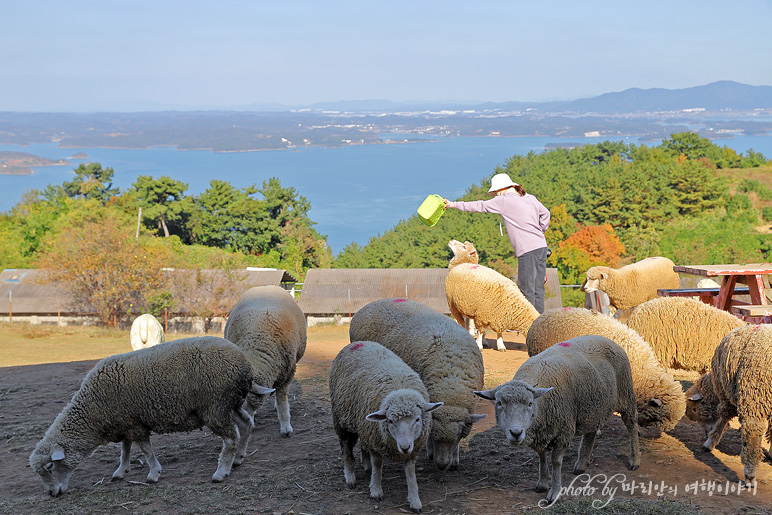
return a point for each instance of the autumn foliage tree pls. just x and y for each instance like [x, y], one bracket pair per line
[591, 245]
[103, 268]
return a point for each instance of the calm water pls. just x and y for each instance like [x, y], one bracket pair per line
[356, 192]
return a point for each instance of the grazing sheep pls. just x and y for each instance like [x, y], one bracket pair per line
[633, 284]
[179, 386]
[572, 388]
[146, 331]
[661, 402]
[445, 357]
[377, 399]
[683, 332]
[707, 283]
[738, 385]
[481, 293]
[270, 328]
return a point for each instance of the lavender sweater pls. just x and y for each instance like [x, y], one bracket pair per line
[525, 218]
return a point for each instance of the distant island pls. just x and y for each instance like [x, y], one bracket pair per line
[718, 110]
[21, 163]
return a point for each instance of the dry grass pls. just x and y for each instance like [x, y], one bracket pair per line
[25, 344]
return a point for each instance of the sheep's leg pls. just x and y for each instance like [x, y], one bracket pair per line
[455, 458]
[545, 478]
[376, 461]
[125, 465]
[155, 468]
[347, 442]
[585, 452]
[769, 438]
[500, 343]
[480, 339]
[557, 478]
[752, 431]
[225, 461]
[245, 424]
[715, 434]
[430, 448]
[366, 461]
[412, 486]
[283, 410]
[630, 418]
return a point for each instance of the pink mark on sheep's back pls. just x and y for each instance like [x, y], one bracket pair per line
[399, 300]
[357, 346]
[564, 344]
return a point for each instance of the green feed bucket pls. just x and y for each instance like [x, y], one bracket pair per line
[431, 210]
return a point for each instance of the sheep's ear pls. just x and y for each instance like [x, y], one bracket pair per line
[655, 402]
[377, 416]
[604, 275]
[430, 406]
[696, 397]
[473, 419]
[57, 454]
[487, 394]
[262, 390]
[538, 392]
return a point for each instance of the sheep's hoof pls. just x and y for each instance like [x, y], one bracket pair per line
[540, 489]
[633, 467]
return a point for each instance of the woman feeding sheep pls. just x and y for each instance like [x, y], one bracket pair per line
[526, 220]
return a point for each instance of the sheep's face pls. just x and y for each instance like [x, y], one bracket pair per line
[449, 425]
[53, 467]
[462, 253]
[698, 408]
[595, 276]
[516, 406]
[405, 424]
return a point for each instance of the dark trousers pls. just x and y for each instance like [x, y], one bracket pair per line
[531, 268]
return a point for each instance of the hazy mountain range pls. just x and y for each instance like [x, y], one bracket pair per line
[719, 109]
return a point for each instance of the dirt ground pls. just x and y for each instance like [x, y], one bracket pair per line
[304, 474]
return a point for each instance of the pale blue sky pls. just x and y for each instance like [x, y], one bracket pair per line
[78, 55]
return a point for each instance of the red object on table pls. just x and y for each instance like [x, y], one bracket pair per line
[730, 273]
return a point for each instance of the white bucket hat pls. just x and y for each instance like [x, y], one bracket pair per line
[500, 181]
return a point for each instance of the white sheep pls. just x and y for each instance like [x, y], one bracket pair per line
[570, 389]
[632, 284]
[146, 331]
[445, 357]
[477, 292]
[661, 402]
[738, 385]
[270, 328]
[179, 386]
[380, 401]
[683, 332]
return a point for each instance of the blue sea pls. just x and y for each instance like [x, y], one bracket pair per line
[356, 192]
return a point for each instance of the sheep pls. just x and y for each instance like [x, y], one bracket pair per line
[632, 284]
[444, 356]
[572, 388]
[179, 386]
[369, 383]
[270, 328]
[146, 331]
[737, 386]
[683, 332]
[661, 402]
[477, 292]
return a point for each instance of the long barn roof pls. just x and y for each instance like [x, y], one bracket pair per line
[330, 291]
[24, 292]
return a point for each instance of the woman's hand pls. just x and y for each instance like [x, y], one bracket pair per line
[446, 202]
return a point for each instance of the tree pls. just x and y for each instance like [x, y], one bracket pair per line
[101, 266]
[162, 200]
[689, 144]
[91, 182]
[208, 293]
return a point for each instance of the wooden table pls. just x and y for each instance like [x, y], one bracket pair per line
[731, 273]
